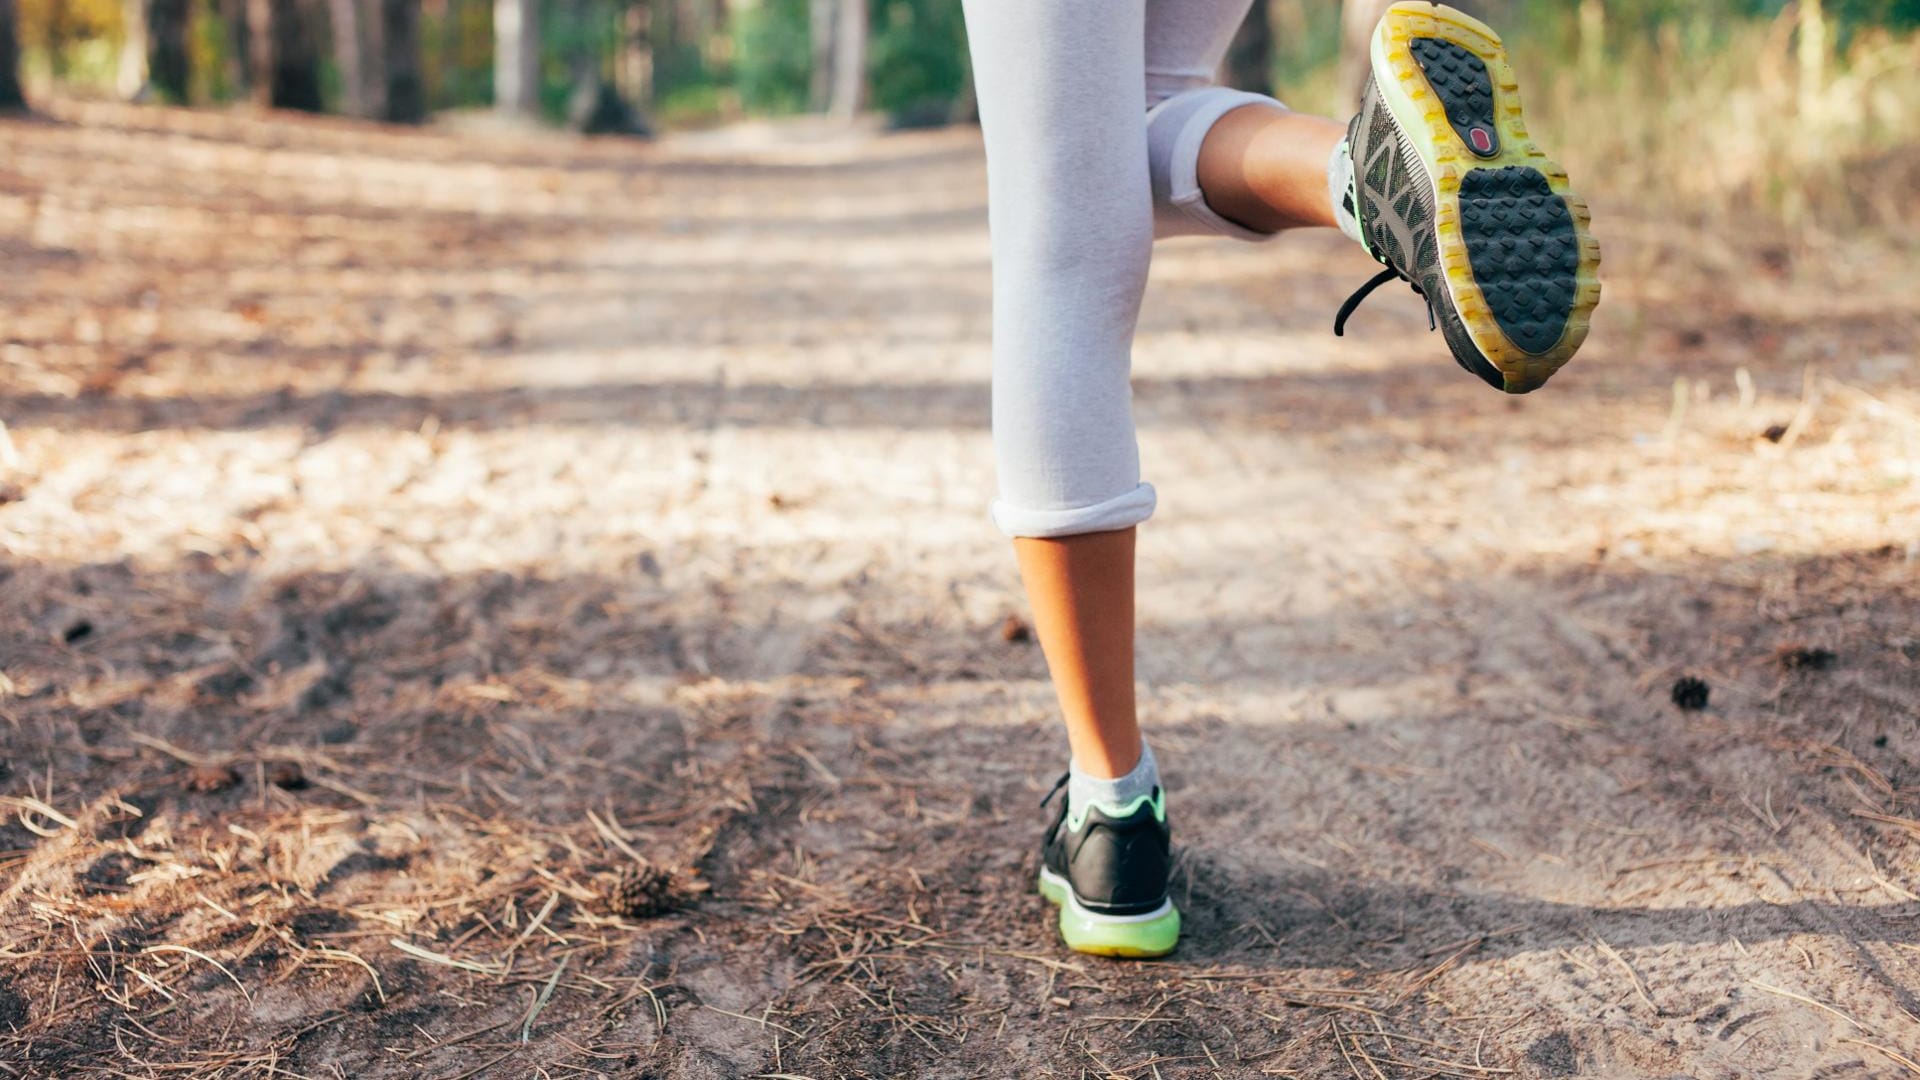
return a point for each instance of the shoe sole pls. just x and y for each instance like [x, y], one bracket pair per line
[1140, 937]
[1520, 262]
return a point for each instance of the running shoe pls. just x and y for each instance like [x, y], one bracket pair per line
[1107, 868]
[1453, 197]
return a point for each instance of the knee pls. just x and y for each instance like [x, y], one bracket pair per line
[1177, 127]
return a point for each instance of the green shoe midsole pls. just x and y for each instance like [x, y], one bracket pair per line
[1152, 933]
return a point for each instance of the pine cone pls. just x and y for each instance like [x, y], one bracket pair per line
[1691, 693]
[641, 891]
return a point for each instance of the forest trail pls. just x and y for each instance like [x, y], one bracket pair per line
[401, 532]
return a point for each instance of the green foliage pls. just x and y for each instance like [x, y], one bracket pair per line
[51, 23]
[209, 49]
[690, 103]
[457, 40]
[773, 56]
[573, 29]
[918, 55]
[73, 40]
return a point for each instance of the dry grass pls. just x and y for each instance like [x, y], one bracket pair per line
[1736, 124]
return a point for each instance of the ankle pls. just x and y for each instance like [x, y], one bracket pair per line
[1116, 792]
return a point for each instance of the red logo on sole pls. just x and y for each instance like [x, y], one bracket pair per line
[1481, 139]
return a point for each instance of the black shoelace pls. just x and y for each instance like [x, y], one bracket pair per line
[1364, 291]
[1057, 785]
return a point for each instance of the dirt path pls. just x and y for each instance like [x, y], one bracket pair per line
[500, 511]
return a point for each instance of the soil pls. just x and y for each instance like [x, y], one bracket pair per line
[518, 516]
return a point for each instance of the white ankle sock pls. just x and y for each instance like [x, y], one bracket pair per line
[1340, 190]
[1114, 794]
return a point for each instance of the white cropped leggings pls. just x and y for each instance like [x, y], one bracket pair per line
[1093, 113]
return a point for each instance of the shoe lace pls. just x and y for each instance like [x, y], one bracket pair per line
[1364, 291]
[1057, 785]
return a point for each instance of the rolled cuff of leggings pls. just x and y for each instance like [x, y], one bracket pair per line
[1180, 209]
[1120, 512]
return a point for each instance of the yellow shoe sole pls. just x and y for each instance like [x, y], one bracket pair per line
[1452, 163]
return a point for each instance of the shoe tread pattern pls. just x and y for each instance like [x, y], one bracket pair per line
[1524, 251]
[1464, 86]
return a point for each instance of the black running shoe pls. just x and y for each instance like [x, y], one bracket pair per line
[1107, 868]
[1453, 197]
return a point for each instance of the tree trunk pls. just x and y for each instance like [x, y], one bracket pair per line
[131, 80]
[516, 57]
[10, 95]
[633, 63]
[239, 45]
[1250, 57]
[260, 50]
[168, 66]
[1593, 38]
[595, 105]
[373, 57]
[286, 58]
[348, 53]
[820, 36]
[404, 96]
[294, 78]
[850, 61]
[1812, 56]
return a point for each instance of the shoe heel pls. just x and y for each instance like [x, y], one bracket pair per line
[1086, 932]
[1133, 937]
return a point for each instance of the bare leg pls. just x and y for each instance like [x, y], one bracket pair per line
[1081, 589]
[1266, 168]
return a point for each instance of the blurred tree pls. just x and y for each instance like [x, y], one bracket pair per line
[10, 96]
[516, 57]
[917, 62]
[849, 94]
[238, 44]
[167, 66]
[131, 81]
[403, 89]
[633, 66]
[776, 64]
[1357, 20]
[1812, 52]
[594, 103]
[285, 55]
[349, 57]
[458, 53]
[1593, 37]
[1250, 58]
[672, 51]
[820, 16]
